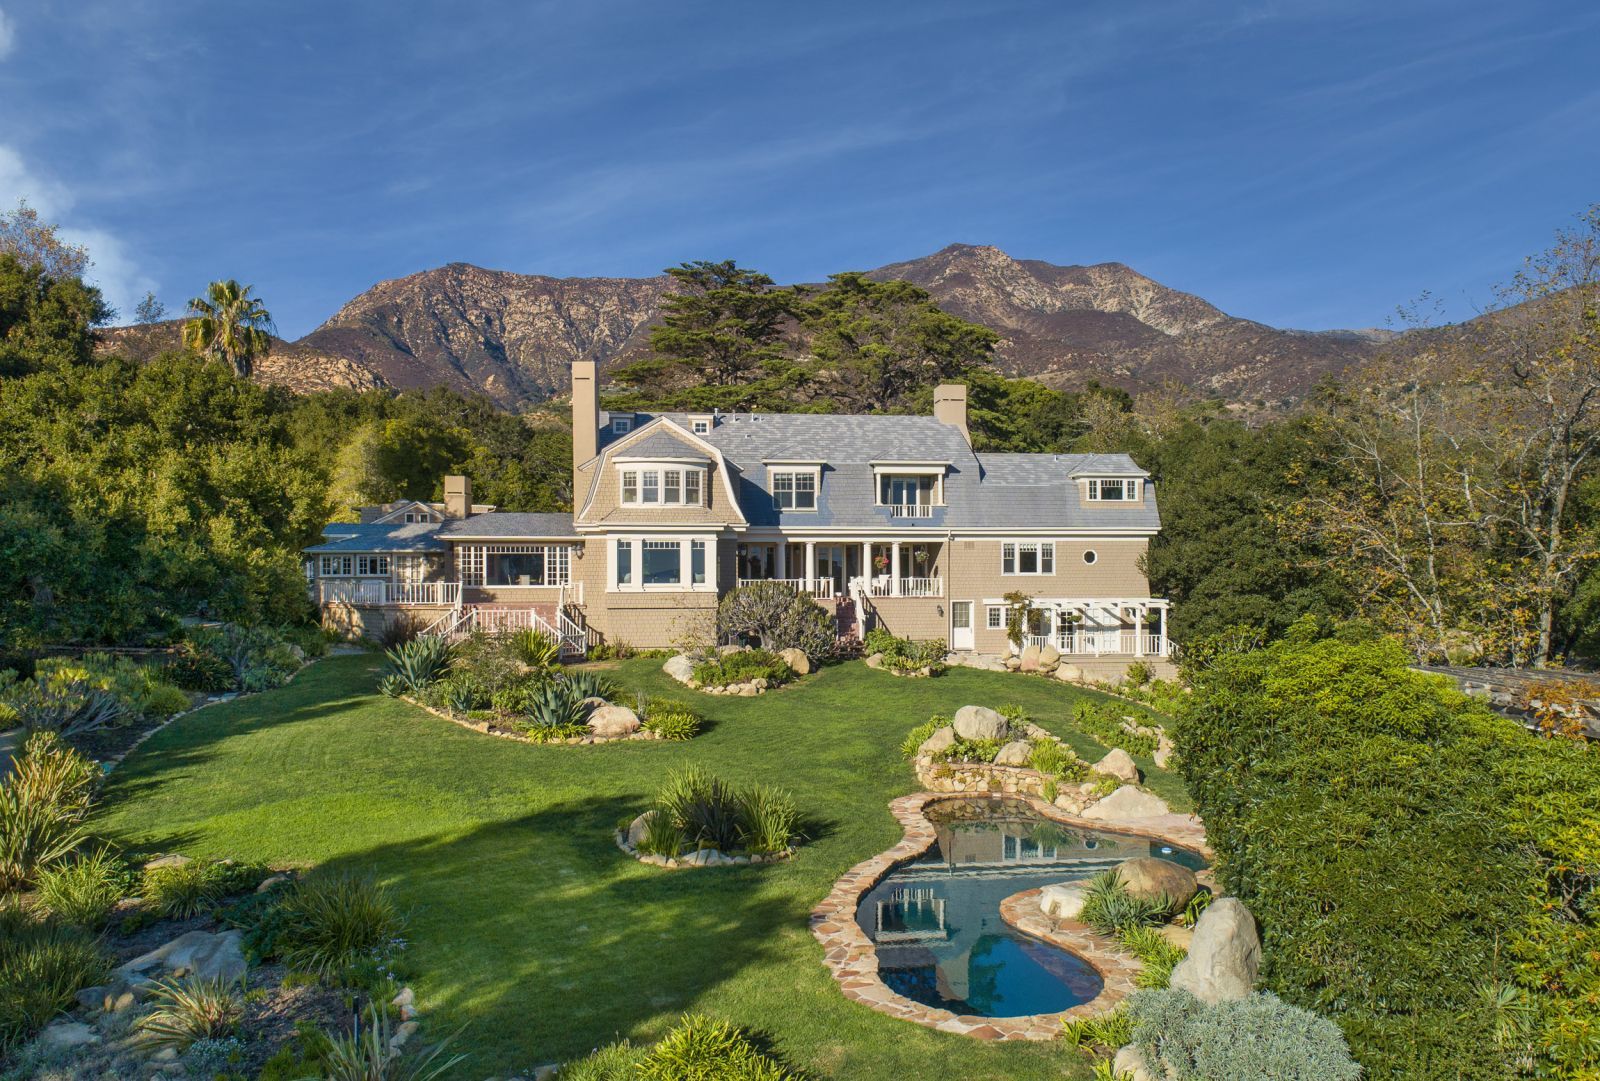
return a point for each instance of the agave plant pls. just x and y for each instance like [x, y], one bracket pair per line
[556, 705]
[190, 1010]
[70, 708]
[589, 685]
[535, 648]
[421, 661]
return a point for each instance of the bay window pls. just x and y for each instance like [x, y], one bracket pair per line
[662, 563]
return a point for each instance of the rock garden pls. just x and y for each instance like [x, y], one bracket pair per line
[172, 966]
[903, 656]
[699, 820]
[764, 635]
[514, 686]
[1001, 752]
[738, 670]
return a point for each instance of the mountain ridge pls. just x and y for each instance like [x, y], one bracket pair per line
[513, 336]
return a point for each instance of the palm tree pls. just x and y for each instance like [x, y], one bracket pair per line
[229, 324]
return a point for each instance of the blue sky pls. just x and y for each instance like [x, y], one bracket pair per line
[1304, 164]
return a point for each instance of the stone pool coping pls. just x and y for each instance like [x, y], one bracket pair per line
[853, 958]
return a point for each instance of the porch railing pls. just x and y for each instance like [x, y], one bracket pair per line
[381, 591]
[1101, 643]
[816, 587]
[908, 587]
[911, 510]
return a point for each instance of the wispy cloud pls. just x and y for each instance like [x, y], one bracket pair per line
[113, 268]
[8, 34]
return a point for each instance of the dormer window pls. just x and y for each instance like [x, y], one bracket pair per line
[673, 486]
[794, 489]
[700, 425]
[1106, 490]
[621, 425]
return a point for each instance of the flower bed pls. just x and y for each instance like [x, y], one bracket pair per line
[698, 820]
[738, 670]
[903, 656]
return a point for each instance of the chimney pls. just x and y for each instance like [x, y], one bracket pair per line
[457, 497]
[950, 407]
[585, 412]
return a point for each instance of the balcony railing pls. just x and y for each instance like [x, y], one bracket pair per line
[1102, 643]
[816, 587]
[372, 592]
[911, 510]
[908, 587]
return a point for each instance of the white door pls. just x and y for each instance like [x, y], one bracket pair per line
[960, 625]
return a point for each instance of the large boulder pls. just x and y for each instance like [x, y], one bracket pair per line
[1128, 802]
[1029, 659]
[1149, 877]
[875, 660]
[637, 829]
[979, 722]
[1131, 1064]
[1064, 900]
[1067, 672]
[1224, 955]
[1015, 753]
[1118, 764]
[1049, 658]
[198, 954]
[680, 668]
[796, 659]
[610, 722]
[941, 740]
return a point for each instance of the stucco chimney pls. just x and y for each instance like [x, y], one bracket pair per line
[457, 497]
[585, 412]
[950, 407]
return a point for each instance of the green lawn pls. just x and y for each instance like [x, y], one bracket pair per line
[527, 924]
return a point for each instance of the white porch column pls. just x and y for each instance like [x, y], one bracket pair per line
[783, 559]
[811, 564]
[1138, 631]
[894, 570]
[866, 566]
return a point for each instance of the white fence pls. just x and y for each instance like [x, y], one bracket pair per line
[911, 510]
[1101, 643]
[816, 587]
[381, 591]
[908, 587]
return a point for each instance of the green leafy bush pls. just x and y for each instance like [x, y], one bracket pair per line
[421, 662]
[921, 734]
[589, 684]
[1103, 721]
[1058, 760]
[1256, 1037]
[705, 811]
[671, 720]
[68, 707]
[778, 618]
[43, 804]
[85, 890]
[614, 1062]
[142, 689]
[705, 1049]
[184, 890]
[1152, 948]
[535, 649]
[195, 666]
[1108, 1031]
[742, 667]
[1400, 846]
[332, 921]
[517, 696]
[43, 963]
[970, 750]
[768, 819]
[662, 836]
[259, 657]
[906, 654]
[556, 705]
[186, 1011]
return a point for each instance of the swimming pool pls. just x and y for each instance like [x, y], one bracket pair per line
[935, 920]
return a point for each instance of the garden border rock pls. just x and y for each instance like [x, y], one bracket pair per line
[621, 837]
[852, 957]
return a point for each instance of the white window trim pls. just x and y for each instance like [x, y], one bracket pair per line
[621, 425]
[1132, 488]
[990, 611]
[1016, 546]
[685, 583]
[661, 469]
[814, 472]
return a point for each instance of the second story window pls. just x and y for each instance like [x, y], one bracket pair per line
[1028, 557]
[663, 487]
[794, 490]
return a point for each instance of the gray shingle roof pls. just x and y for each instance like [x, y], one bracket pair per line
[373, 537]
[509, 524]
[662, 445]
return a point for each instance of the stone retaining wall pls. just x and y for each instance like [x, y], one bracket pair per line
[980, 778]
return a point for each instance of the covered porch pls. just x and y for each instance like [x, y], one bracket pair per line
[1099, 627]
[828, 568]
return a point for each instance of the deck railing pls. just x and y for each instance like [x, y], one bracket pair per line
[816, 587]
[908, 587]
[381, 591]
[1101, 643]
[911, 510]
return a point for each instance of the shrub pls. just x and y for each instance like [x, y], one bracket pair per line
[921, 734]
[195, 667]
[1108, 1030]
[515, 696]
[1104, 722]
[208, 1057]
[614, 1062]
[420, 662]
[589, 685]
[182, 891]
[971, 750]
[66, 707]
[671, 719]
[331, 921]
[366, 1055]
[1260, 1036]
[777, 617]
[392, 685]
[42, 807]
[399, 630]
[1109, 908]
[190, 1010]
[742, 667]
[1398, 845]
[1058, 760]
[535, 649]
[767, 819]
[703, 1049]
[662, 836]
[43, 963]
[1138, 674]
[905, 654]
[142, 689]
[258, 657]
[556, 704]
[84, 891]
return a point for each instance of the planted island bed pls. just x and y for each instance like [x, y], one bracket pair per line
[503, 854]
